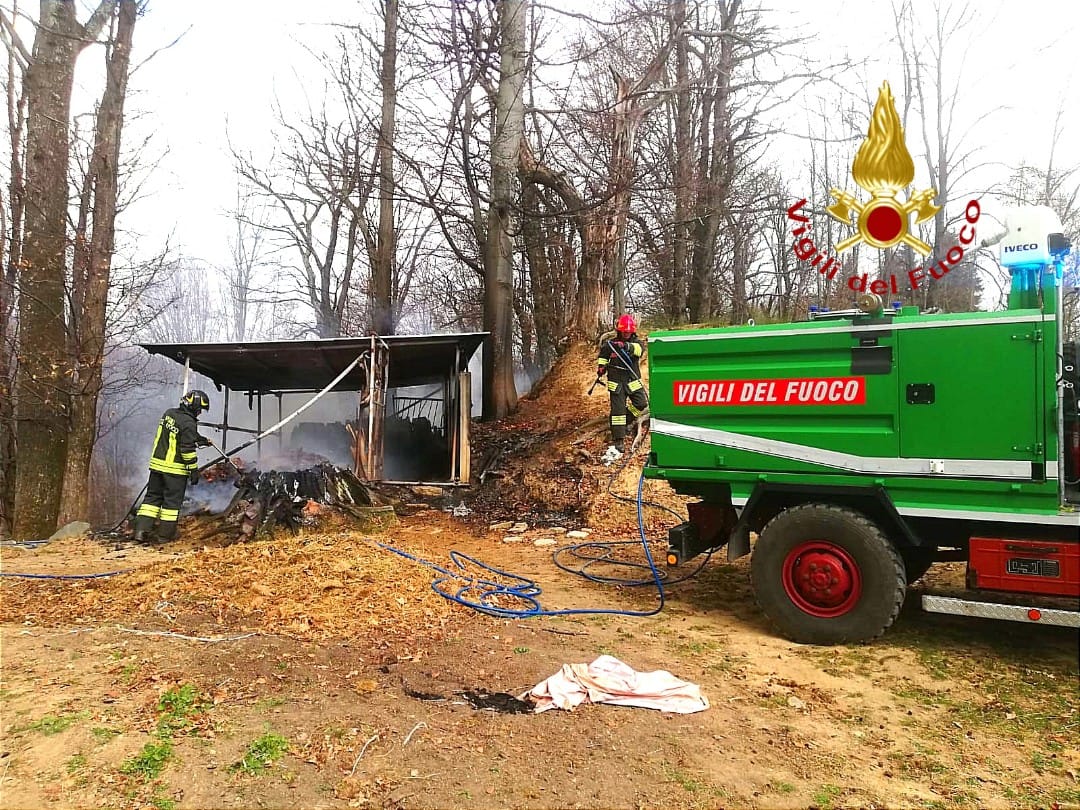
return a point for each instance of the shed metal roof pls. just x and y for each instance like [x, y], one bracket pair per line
[297, 365]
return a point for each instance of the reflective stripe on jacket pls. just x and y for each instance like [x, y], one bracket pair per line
[175, 450]
[616, 360]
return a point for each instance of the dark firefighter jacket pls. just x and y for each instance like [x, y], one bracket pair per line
[616, 365]
[175, 443]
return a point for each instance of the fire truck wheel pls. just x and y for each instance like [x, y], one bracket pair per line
[827, 575]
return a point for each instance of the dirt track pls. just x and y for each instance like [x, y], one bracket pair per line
[941, 712]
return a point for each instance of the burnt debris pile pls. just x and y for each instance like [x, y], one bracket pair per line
[262, 500]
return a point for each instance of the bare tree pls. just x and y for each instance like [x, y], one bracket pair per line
[320, 184]
[934, 72]
[10, 259]
[175, 310]
[92, 264]
[42, 407]
[244, 295]
[382, 269]
[500, 395]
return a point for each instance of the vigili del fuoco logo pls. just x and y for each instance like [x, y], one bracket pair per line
[883, 168]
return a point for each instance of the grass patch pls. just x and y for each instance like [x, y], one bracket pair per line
[684, 780]
[76, 764]
[841, 662]
[1041, 763]
[521, 650]
[151, 761]
[175, 709]
[784, 787]
[926, 698]
[178, 705]
[1066, 796]
[261, 754]
[102, 735]
[696, 647]
[824, 796]
[53, 723]
[920, 764]
[727, 664]
[775, 701]
[711, 655]
[162, 802]
[269, 703]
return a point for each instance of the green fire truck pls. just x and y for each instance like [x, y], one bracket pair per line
[862, 446]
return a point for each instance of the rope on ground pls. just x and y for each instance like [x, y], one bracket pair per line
[64, 576]
[170, 634]
[363, 750]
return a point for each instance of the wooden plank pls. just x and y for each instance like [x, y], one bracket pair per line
[464, 383]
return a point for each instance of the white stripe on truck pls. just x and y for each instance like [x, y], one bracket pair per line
[947, 468]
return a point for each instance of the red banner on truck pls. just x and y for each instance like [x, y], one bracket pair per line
[787, 391]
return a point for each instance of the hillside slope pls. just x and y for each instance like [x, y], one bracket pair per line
[542, 463]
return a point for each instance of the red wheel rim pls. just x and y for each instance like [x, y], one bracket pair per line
[822, 579]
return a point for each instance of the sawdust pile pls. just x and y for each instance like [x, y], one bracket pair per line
[542, 463]
[307, 587]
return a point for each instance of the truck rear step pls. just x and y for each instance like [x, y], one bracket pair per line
[995, 610]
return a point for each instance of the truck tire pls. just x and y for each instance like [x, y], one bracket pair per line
[824, 574]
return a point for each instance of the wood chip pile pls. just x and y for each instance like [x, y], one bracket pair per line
[308, 587]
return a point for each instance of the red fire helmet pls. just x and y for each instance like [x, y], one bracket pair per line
[626, 324]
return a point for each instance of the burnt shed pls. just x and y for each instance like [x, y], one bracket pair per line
[409, 422]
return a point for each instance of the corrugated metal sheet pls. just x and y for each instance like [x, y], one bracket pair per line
[297, 365]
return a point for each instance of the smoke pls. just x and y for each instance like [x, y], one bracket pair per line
[524, 381]
[209, 497]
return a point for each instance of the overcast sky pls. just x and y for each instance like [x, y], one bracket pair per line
[237, 56]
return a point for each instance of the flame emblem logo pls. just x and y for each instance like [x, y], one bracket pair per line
[883, 167]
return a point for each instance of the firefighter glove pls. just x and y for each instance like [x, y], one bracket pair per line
[618, 344]
[193, 477]
[600, 371]
[202, 441]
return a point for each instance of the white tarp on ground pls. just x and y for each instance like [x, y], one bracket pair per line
[609, 680]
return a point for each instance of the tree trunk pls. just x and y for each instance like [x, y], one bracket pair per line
[715, 167]
[382, 304]
[16, 109]
[740, 265]
[601, 264]
[42, 406]
[543, 291]
[500, 394]
[675, 302]
[90, 319]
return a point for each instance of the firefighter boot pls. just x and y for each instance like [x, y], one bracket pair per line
[144, 527]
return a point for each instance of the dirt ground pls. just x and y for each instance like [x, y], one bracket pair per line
[322, 671]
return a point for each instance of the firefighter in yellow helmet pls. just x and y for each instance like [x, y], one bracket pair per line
[618, 359]
[173, 462]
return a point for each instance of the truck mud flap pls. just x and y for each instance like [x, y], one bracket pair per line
[709, 527]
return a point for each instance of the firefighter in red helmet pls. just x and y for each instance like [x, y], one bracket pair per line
[173, 462]
[618, 359]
